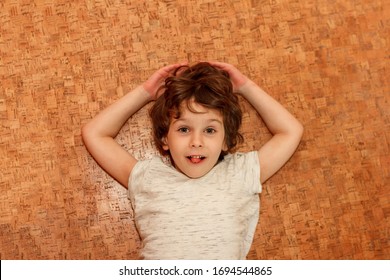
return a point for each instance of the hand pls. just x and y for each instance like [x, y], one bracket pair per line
[157, 79]
[238, 79]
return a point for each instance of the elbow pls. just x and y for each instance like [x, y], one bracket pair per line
[300, 130]
[86, 133]
[296, 132]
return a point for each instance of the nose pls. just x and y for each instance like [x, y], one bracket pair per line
[196, 141]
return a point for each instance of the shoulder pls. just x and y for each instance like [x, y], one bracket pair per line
[154, 162]
[242, 160]
[143, 167]
[242, 168]
[151, 170]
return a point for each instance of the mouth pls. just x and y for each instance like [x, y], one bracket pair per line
[196, 158]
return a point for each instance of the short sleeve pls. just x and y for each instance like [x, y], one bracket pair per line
[252, 177]
[246, 167]
[136, 178]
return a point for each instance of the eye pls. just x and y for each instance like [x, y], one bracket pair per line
[183, 129]
[210, 130]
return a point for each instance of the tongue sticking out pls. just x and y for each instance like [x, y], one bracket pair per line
[195, 160]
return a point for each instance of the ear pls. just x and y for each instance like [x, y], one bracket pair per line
[165, 144]
[224, 146]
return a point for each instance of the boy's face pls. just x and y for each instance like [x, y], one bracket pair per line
[195, 140]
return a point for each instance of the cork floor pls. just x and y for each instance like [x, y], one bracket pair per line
[326, 61]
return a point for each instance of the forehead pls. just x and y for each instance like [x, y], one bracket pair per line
[190, 107]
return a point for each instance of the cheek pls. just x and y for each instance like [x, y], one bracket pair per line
[220, 145]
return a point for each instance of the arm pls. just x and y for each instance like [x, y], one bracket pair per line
[285, 128]
[98, 134]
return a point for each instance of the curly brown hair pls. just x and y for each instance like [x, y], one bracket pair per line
[205, 85]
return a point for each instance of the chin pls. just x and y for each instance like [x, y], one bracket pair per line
[195, 170]
[195, 175]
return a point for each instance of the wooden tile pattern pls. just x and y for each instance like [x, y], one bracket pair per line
[327, 61]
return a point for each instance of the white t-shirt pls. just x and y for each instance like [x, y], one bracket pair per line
[212, 217]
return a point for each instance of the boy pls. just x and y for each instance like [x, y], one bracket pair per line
[204, 204]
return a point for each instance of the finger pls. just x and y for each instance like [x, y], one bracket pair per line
[220, 65]
[171, 67]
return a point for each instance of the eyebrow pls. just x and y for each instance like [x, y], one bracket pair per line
[208, 120]
[215, 120]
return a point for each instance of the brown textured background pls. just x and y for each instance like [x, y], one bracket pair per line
[326, 61]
